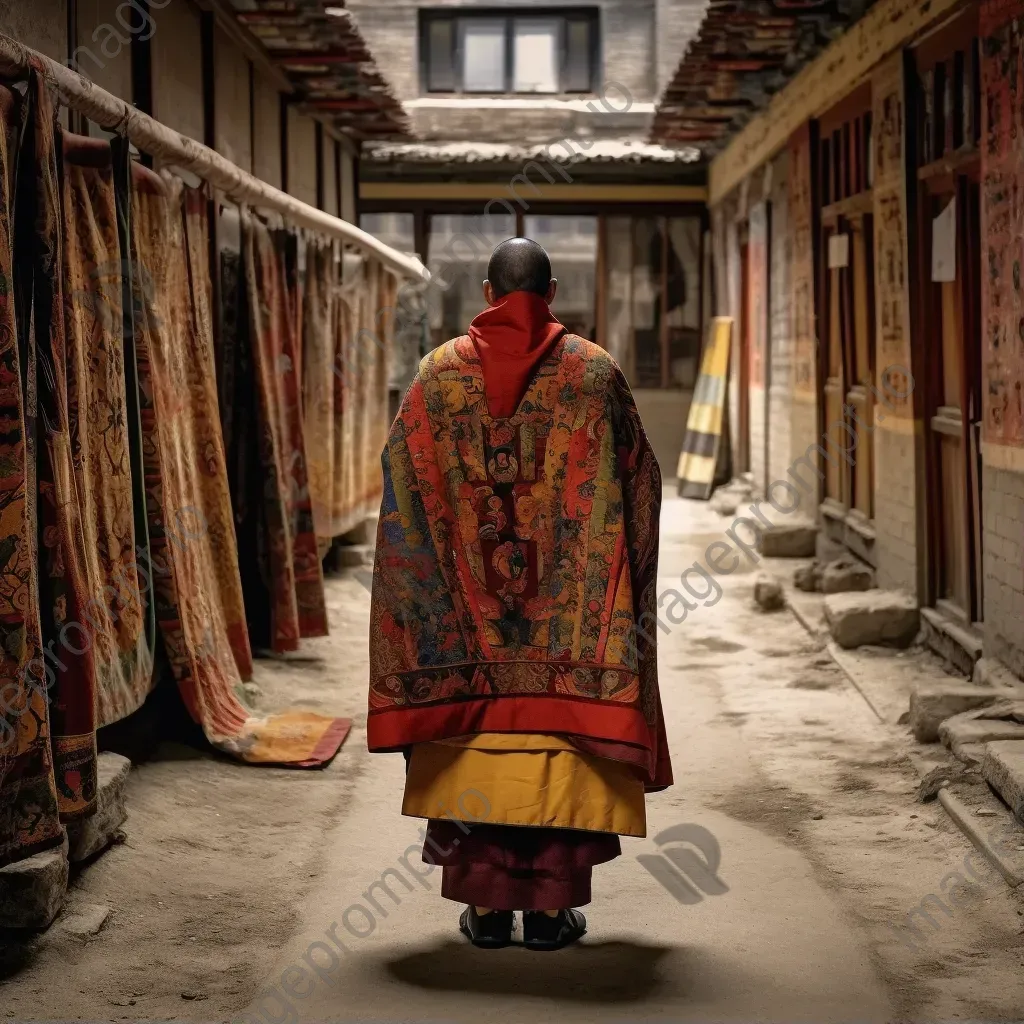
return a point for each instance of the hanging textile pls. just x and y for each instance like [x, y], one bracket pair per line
[698, 461]
[298, 606]
[320, 359]
[188, 491]
[100, 429]
[208, 437]
[240, 419]
[366, 317]
[29, 819]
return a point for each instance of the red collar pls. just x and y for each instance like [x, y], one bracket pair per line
[511, 339]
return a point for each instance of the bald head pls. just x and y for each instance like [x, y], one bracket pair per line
[518, 265]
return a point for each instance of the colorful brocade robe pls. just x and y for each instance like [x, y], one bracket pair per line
[515, 576]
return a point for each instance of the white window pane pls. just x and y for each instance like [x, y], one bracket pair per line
[483, 56]
[535, 67]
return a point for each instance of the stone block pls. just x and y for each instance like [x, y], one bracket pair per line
[768, 592]
[95, 833]
[966, 734]
[725, 501]
[32, 890]
[931, 705]
[788, 540]
[845, 575]
[885, 617]
[85, 920]
[362, 533]
[1003, 767]
[808, 577]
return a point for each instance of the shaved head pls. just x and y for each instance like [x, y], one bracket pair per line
[519, 265]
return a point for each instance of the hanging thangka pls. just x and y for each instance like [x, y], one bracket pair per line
[188, 486]
[29, 819]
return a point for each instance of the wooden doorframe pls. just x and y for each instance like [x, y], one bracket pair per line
[956, 173]
[743, 410]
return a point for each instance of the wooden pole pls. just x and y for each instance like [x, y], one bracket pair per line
[172, 148]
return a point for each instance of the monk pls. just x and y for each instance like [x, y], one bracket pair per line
[513, 649]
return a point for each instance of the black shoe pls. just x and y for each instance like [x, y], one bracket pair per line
[490, 931]
[550, 933]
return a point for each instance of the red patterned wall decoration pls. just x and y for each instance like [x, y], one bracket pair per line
[802, 266]
[892, 305]
[1002, 221]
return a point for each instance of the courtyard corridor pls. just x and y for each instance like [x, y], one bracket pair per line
[273, 895]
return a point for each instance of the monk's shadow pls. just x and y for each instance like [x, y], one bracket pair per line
[590, 972]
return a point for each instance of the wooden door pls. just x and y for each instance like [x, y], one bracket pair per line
[948, 205]
[846, 276]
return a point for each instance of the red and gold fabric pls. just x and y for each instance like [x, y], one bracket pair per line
[298, 605]
[29, 819]
[515, 573]
[195, 565]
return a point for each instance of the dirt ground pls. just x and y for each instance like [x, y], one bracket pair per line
[227, 872]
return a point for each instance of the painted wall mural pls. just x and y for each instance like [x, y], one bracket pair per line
[802, 263]
[892, 301]
[1002, 222]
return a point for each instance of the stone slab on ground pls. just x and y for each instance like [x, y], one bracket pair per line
[1003, 768]
[966, 735]
[931, 705]
[845, 575]
[89, 836]
[887, 618]
[85, 920]
[32, 890]
[788, 540]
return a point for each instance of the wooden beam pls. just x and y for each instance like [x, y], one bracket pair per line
[500, 191]
[886, 27]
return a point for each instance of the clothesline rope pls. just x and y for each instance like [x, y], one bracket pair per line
[153, 137]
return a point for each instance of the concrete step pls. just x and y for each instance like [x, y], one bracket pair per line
[931, 705]
[1003, 768]
[966, 734]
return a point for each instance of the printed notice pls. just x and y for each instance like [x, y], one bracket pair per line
[944, 244]
[838, 251]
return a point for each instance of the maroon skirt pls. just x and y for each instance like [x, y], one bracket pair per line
[511, 867]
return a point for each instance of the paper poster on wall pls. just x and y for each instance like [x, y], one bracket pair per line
[838, 251]
[944, 244]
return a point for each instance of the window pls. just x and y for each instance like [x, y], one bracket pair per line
[545, 51]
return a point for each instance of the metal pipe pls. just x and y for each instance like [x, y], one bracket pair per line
[150, 136]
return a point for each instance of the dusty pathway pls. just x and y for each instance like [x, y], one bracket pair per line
[235, 884]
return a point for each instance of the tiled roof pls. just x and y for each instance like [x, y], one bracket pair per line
[598, 151]
[743, 53]
[318, 45]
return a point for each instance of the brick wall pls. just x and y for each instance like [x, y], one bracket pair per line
[1003, 504]
[896, 547]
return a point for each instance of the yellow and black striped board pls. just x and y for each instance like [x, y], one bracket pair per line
[699, 457]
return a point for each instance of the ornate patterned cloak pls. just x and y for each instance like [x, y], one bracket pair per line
[516, 566]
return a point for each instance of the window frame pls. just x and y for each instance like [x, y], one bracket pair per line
[507, 17]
